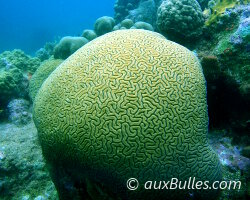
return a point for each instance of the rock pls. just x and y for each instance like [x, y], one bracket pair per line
[26, 197]
[1, 186]
[232, 92]
[40, 197]
[246, 151]
[242, 35]
[23, 173]
[19, 111]
[229, 154]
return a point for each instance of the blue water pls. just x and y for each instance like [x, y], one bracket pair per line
[29, 24]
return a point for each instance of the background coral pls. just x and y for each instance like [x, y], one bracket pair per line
[89, 34]
[143, 25]
[41, 74]
[122, 8]
[180, 20]
[42, 54]
[46, 52]
[127, 23]
[15, 69]
[146, 12]
[17, 58]
[67, 46]
[141, 113]
[104, 25]
[12, 84]
[8, 88]
[137, 10]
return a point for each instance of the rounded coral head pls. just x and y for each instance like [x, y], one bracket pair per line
[127, 104]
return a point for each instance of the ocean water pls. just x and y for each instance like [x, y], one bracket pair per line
[151, 103]
[28, 24]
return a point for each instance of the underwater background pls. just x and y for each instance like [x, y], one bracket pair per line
[28, 24]
[36, 37]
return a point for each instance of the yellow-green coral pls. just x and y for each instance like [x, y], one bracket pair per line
[219, 8]
[128, 104]
[41, 75]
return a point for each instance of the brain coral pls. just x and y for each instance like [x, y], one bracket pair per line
[41, 75]
[127, 104]
[180, 20]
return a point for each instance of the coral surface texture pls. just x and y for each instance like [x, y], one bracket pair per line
[127, 104]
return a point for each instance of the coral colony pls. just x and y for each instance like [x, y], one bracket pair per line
[158, 91]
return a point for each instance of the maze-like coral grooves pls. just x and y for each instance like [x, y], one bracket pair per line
[127, 104]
